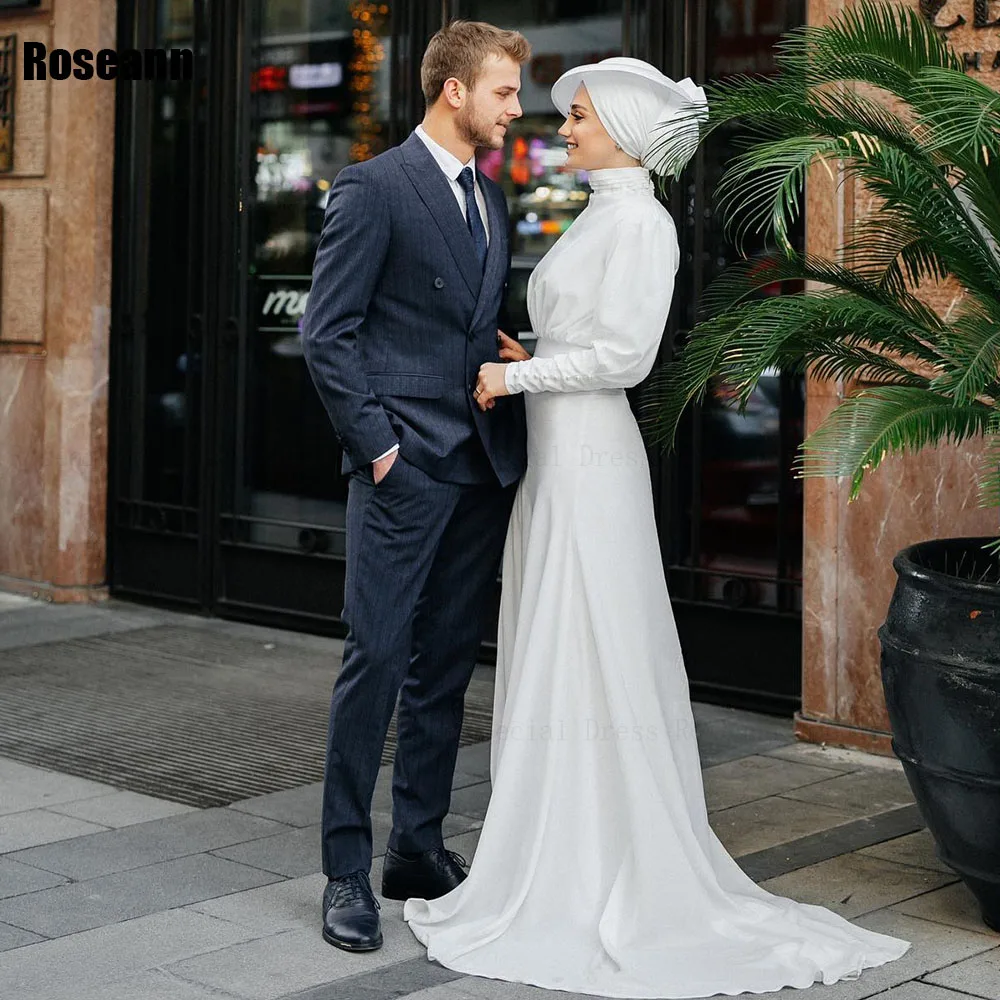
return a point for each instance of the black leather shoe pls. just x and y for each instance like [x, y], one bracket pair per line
[350, 913]
[426, 875]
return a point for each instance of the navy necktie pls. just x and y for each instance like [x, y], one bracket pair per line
[472, 216]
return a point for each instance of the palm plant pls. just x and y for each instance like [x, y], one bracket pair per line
[878, 95]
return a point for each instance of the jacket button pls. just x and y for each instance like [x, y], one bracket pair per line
[439, 282]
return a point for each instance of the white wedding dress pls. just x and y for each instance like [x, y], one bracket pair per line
[597, 871]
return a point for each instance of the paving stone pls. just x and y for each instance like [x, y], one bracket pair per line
[16, 879]
[295, 806]
[15, 937]
[861, 794]
[404, 979]
[292, 904]
[853, 884]
[14, 602]
[53, 970]
[472, 800]
[727, 733]
[480, 988]
[979, 975]
[475, 759]
[45, 623]
[155, 985]
[110, 899]
[121, 809]
[293, 961]
[462, 778]
[23, 787]
[39, 826]
[757, 777]
[916, 849]
[815, 848]
[148, 843]
[932, 947]
[763, 823]
[953, 905]
[917, 990]
[836, 758]
[291, 853]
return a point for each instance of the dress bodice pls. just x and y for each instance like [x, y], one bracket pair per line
[602, 293]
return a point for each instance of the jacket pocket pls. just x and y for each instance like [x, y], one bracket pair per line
[405, 384]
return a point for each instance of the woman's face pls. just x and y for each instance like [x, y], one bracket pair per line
[589, 145]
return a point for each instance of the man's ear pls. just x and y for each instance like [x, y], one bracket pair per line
[454, 92]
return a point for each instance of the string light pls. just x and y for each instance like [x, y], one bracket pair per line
[364, 68]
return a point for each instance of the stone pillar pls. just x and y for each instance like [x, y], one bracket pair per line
[55, 298]
[848, 550]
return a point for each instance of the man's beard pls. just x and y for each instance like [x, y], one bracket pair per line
[473, 130]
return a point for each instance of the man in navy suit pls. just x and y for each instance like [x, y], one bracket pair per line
[409, 279]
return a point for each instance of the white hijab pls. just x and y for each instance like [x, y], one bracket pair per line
[651, 117]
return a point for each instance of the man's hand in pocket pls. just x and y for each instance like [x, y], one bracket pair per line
[382, 465]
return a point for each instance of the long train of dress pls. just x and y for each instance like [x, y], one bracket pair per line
[596, 870]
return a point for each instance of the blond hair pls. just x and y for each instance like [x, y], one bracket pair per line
[459, 50]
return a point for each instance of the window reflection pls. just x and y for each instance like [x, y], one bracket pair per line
[740, 508]
[543, 198]
[319, 93]
[162, 465]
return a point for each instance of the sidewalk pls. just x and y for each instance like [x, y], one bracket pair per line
[159, 798]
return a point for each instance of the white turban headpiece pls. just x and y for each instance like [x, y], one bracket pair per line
[652, 117]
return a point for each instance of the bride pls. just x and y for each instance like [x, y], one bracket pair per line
[597, 871]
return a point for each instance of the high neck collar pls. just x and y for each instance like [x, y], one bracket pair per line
[620, 179]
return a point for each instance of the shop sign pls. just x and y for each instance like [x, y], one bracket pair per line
[282, 301]
[951, 14]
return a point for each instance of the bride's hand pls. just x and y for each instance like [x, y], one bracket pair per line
[510, 349]
[489, 385]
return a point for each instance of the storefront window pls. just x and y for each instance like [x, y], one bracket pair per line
[319, 93]
[164, 446]
[543, 198]
[739, 513]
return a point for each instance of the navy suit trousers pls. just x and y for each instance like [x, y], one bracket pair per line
[422, 560]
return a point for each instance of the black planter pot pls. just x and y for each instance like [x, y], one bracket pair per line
[941, 675]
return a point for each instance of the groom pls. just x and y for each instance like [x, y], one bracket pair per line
[409, 277]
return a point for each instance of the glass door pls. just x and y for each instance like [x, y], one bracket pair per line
[730, 508]
[315, 95]
[158, 320]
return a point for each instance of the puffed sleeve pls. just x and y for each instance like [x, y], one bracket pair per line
[630, 312]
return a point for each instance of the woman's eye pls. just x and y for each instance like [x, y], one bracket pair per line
[577, 118]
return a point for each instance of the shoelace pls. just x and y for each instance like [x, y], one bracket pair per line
[455, 856]
[353, 888]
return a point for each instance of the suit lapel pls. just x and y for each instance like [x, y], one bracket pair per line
[496, 251]
[436, 194]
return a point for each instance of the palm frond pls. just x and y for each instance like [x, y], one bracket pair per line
[970, 350]
[886, 420]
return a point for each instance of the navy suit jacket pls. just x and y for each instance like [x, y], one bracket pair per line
[399, 319]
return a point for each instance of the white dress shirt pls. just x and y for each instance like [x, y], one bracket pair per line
[452, 166]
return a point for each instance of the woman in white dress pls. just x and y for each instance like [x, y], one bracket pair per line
[596, 870]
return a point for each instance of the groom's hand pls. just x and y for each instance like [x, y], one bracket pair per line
[382, 465]
[510, 349]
